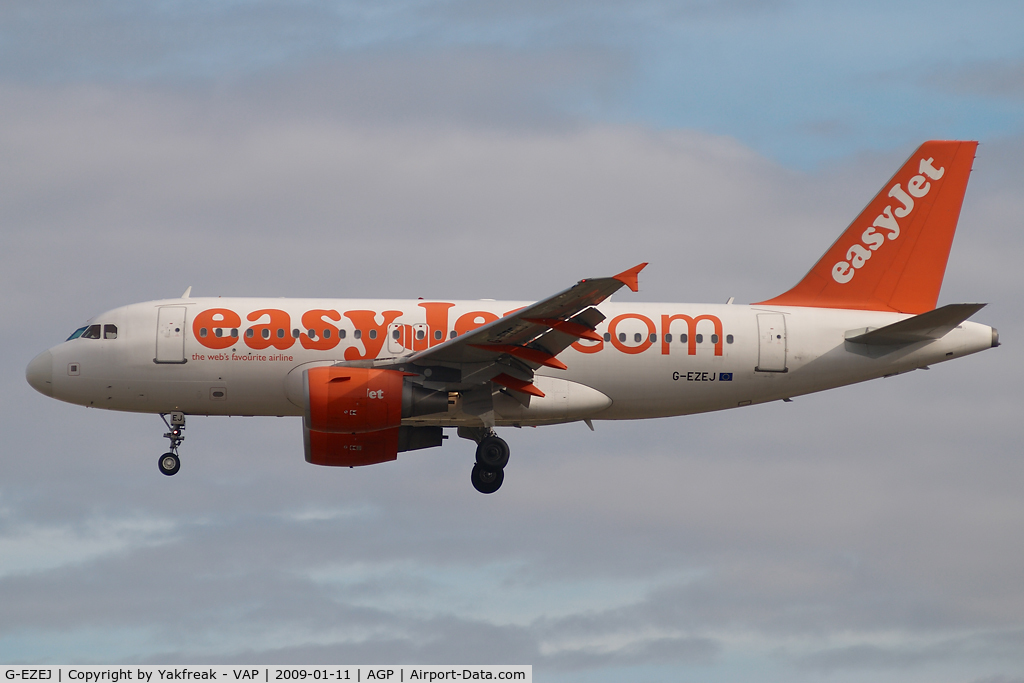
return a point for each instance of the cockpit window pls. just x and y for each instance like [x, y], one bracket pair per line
[110, 331]
[77, 333]
[91, 332]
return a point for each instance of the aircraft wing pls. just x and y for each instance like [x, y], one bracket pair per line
[508, 350]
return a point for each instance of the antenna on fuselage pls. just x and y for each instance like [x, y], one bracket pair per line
[188, 293]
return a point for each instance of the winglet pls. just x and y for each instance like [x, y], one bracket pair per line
[630, 277]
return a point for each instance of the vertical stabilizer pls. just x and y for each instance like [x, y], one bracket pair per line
[893, 256]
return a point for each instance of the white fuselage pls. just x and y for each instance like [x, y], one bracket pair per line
[732, 356]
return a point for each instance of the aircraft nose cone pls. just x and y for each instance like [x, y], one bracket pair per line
[40, 373]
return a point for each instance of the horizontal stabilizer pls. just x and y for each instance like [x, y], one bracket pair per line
[925, 327]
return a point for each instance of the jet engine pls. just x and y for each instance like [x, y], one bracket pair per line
[354, 415]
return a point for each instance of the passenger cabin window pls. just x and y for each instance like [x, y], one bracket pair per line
[357, 334]
[77, 333]
[110, 331]
[728, 339]
[438, 334]
[92, 332]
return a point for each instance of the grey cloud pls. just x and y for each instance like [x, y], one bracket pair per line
[180, 42]
[996, 79]
[171, 176]
[114, 40]
[119, 41]
[979, 648]
[474, 86]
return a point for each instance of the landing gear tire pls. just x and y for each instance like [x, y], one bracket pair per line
[486, 480]
[492, 453]
[169, 464]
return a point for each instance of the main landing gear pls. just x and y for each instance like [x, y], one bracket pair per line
[169, 463]
[491, 457]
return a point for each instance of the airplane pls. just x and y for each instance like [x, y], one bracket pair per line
[374, 378]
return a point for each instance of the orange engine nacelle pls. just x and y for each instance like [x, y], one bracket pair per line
[351, 450]
[354, 415]
[342, 400]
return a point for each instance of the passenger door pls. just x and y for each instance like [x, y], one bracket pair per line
[170, 335]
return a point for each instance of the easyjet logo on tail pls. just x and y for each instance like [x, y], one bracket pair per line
[858, 254]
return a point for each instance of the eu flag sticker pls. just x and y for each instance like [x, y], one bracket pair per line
[725, 377]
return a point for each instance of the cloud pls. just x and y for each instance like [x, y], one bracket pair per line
[997, 79]
[26, 549]
[160, 175]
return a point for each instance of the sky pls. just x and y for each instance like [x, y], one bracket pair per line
[506, 150]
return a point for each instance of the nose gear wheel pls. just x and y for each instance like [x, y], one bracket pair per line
[169, 463]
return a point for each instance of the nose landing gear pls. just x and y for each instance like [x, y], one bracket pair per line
[491, 457]
[169, 463]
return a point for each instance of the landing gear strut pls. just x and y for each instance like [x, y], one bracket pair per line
[169, 463]
[491, 457]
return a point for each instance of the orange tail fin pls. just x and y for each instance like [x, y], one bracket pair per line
[893, 256]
